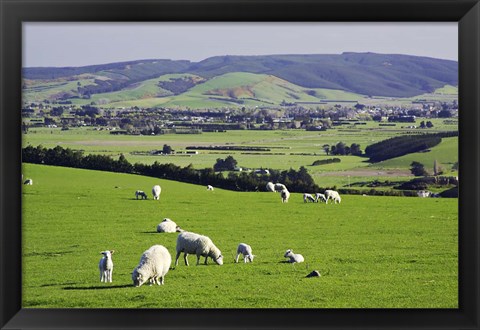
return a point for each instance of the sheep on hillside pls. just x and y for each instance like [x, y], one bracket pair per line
[191, 243]
[210, 188]
[154, 265]
[106, 266]
[156, 190]
[333, 195]
[140, 194]
[293, 258]
[270, 187]
[168, 226]
[308, 198]
[28, 182]
[285, 194]
[246, 250]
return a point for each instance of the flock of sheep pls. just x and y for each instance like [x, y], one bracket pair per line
[285, 194]
[156, 261]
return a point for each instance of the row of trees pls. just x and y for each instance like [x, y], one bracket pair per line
[405, 144]
[342, 149]
[296, 181]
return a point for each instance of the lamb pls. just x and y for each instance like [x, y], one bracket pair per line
[293, 258]
[28, 182]
[156, 190]
[141, 194]
[308, 198]
[246, 250]
[209, 188]
[154, 265]
[319, 196]
[285, 194]
[200, 245]
[332, 194]
[270, 187]
[280, 187]
[106, 266]
[168, 226]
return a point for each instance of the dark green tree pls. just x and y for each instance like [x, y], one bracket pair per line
[418, 169]
[167, 150]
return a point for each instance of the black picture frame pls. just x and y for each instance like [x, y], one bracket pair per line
[14, 12]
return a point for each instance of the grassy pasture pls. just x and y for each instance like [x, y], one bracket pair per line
[372, 252]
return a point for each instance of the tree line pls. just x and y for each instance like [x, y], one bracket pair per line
[296, 181]
[402, 145]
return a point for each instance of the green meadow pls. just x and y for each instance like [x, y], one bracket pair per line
[372, 252]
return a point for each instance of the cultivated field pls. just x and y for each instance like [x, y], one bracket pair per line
[372, 252]
[289, 149]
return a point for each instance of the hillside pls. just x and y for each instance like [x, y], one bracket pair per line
[360, 73]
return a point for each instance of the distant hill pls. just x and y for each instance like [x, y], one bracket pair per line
[360, 73]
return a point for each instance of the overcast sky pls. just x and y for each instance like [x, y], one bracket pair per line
[79, 44]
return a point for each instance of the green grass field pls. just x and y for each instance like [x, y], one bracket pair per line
[372, 252]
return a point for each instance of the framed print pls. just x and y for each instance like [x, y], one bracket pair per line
[240, 164]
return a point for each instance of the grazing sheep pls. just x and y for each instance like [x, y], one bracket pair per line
[210, 188]
[285, 194]
[280, 187]
[246, 250]
[332, 194]
[28, 182]
[293, 257]
[319, 196]
[141, 194]
[168, 226]
[154, 265]
[106, 266]
[156, 190]
[270, 187]
[308, 198]
[191, 243]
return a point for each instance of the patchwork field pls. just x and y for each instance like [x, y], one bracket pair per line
[372, 252]
[289, 149]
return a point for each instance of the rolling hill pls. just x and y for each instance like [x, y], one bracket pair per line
[254, 79]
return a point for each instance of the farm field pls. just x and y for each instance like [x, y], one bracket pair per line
[289, 149]
[372, 252]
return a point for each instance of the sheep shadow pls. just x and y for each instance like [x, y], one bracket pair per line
[98, 287]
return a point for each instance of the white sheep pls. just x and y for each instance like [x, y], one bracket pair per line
[285, 194]
[246, 250]
[210, 188]
[293, 257]
[334, 195]
[106, 266]
[140, 194]
[280, 187]
[154, 265]
[156, 190]
[191, 243]
[168, 226]
[308, 198]
[28, 182]
[270, 187]
[319, 196]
